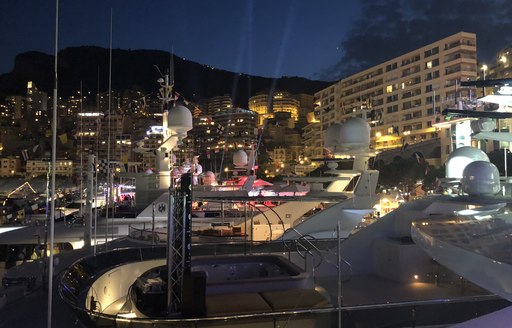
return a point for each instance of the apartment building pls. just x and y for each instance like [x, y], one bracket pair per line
[216, 104]
[10, 166]
[63, 167]
[280, 101]
[402, 98]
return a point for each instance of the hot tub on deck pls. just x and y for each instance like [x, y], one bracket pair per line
[253, 273]
[229, 285]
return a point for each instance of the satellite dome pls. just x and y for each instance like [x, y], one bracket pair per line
[353, 135]
[484, 124]
[480, 178]
[240, 158]
[180, 119]
[460, 158]
[332, 137]
[209, 178]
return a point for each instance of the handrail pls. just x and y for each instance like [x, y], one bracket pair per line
[319, 251]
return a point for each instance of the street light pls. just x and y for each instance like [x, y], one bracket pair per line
[484, 69]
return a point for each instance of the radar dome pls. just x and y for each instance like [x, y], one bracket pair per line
[460, 158]
[180, 119]
[240, 158]
[353, 135]
[209, 178]
[480, 178]
[485, 124]
[332, 137]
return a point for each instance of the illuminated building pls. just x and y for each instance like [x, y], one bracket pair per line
[215, 104]
[279, 102]
[36, 111]
[403, 97]
[63, 167]
[10, 166]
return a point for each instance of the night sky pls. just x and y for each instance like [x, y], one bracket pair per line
[319, 39]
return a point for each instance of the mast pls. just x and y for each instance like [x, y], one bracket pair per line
[95, 197]
[54, 156]
[81, 149]
[109, 189]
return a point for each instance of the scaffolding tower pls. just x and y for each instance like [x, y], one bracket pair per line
[179, 239]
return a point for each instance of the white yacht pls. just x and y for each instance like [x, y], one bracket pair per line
[376, 274]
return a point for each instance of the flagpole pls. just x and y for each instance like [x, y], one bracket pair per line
[54, 156]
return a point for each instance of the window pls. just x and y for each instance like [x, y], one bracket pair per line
[391, 67]
[392, 98]
[392, 109]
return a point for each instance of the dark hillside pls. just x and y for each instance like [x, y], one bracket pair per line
[134, 69]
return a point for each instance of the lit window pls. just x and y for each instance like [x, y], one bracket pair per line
[389, 88]
[429, 64]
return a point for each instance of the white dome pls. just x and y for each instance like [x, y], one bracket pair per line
[484, 124]
[332, 137]
[480, 178]
[209, 178]
[460, 158]
[180, 119]
[353, 135]
[355, 131]
[240, 158]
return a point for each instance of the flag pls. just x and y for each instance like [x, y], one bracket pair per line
[63, 138]
[197, 112]
[220, 129]
[24, 153]
[102, 167]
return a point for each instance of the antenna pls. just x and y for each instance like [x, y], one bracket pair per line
[54, 157]
[109, 177]
[171, 67]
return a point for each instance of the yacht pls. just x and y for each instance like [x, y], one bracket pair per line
[345, 196]
[378, 274]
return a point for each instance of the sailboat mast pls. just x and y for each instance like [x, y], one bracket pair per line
[109, 189]
[81, 149]
[54, 157]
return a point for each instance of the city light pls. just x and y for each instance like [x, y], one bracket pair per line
[484, 69]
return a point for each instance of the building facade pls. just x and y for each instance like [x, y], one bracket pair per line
[403, 97]
[10, 166]
[63, 167]
[266, 105]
